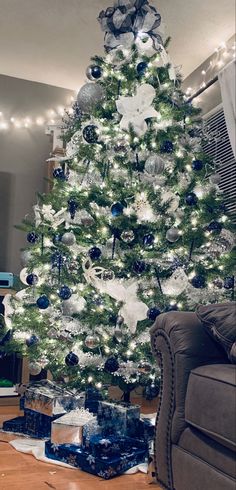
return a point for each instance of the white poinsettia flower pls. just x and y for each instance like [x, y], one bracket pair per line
[135, 110]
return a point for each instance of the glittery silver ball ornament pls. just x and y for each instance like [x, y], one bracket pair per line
[144, 367]
[127, 236]
[215, 179]
[92, 341]
[172, 235]
[68, 238]
[35, 368]
[120, 320]
[118, 334]
[89, 96]
[154, 165]
[25, 257]
[108, 275]
[86, 218]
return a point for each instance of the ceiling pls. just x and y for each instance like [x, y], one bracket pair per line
[51, 41]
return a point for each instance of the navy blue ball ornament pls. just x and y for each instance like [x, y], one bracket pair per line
[167, 147]
[65, 292]
[71, 359]
[151, 391]
[215, 227]
[59, 174]
[191, 199]
[153, 313]
[43, 302]
[72, 207]
[197, 165]
[141, 67]
[32, 237]
[32, 279]
[94, 72]
[111, 365]
[32, 340]
[148, 240]
[229, 282]
[117, 209]
[90, 133]
[198, 282]
[95, 253]
[139, 266]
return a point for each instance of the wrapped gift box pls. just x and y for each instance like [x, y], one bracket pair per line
[145, 429]
[92, 398]
[37, 424]
[15, 425]
[50, 399]
[68, 429]
[99, 446]
[106, 466]
[118, 418]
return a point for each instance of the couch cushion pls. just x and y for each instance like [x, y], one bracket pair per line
[220, 322]
[210, 403]
[210, 451]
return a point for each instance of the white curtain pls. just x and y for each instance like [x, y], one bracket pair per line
[228, 93]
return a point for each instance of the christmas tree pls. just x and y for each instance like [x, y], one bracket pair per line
[134, 225]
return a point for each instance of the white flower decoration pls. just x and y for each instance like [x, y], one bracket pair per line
[135, 110]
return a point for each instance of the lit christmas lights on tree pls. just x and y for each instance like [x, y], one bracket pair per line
[134, 225]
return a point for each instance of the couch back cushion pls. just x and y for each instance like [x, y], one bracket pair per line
[220, 322]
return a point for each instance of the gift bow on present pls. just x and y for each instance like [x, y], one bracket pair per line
[132, 310]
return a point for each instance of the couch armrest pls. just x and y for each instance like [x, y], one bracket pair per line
[180, 344]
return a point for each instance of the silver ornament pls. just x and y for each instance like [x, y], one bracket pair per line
[154, 165]
[172, 235]
[144, 367]
[215, 179]
[108, 275]
[73, 306]
[127, 236]
[118, 334]
[68, 238]
[92, 341]
[89, 96]
[35, 368]
[25, 257]
[86, 218]
[120, 320]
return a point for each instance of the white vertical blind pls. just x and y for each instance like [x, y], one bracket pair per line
[218, 147]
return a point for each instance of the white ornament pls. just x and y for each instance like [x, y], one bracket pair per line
[74, 305]
[47, 215]
[144, 45]
[135, 110]
[143, 209]
[173, 200]
[25, 257]
[8, 310]
[176, 284]
[72, 146]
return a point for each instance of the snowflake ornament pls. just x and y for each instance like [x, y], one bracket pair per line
[135, 110]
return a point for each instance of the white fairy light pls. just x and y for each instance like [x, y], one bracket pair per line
[90, 379]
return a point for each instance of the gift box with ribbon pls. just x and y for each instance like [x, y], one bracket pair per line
[120, 419]
[99, 445]
[50, 399]
[68, 429]
[37, 424]
[104, 466]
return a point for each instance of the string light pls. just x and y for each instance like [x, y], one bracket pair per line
[27, 121]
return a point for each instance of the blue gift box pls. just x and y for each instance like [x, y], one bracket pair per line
[92, 398]
[99, 446]
[120, 419]
[37, 424]
[105, 466]
[15, 425]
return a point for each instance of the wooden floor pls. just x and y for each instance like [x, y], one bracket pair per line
[19, 471]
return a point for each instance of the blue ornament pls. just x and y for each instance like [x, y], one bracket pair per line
[167, 147]
[139, 266]
[151, 391]
[171, 308]
[141, 67]
[32, 340]
[191, 199]
[198, 282]
[229, 282]
[111, 365]
[57, 238]
[59, 174]
[197, 165]
[94, 72]
[153, 313]
[117, 209]
[95, 253]
[215, 227]
[65, 292]
[32, 279]
[72, 207]
[32, 237]
[192, 133]
[148, 239]
[71, 359]
[57, 259]
[43, 302]
[90, 133]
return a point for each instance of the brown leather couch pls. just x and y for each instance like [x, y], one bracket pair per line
[195, 442]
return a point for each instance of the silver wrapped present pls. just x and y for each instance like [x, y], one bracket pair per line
[50, 399]
[68, 429]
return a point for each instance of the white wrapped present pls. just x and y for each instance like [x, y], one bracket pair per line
[68, 429]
